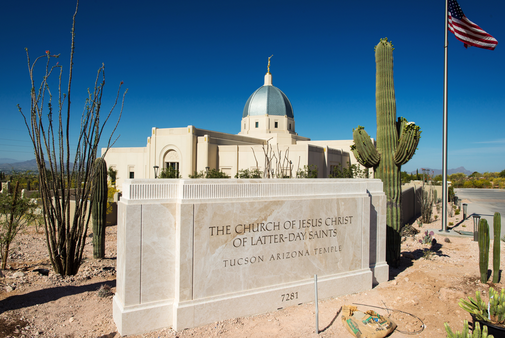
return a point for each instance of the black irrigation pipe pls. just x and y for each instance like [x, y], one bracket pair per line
[410, 314]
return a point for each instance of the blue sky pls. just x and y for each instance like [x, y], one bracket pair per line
[197, 62]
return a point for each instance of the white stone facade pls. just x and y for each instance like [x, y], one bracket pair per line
[267, 124]
[194, 149]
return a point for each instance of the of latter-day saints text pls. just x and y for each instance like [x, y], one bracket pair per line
[265, 233]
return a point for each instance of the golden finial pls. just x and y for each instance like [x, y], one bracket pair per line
[268, 68]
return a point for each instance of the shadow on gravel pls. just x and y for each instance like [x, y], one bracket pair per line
[408, 257]
[48, 295]
[332, 321]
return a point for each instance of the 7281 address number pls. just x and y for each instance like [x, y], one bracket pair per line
[289, 296]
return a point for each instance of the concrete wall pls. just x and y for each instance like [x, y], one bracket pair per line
[411, 204]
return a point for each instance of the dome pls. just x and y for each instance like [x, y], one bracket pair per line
[268, 100]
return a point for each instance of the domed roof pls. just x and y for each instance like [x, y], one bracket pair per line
[268, 100]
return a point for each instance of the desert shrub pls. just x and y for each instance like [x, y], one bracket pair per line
[15, 213]
[427, 253]
[105, 291]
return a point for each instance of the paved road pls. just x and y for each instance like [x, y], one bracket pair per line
[485, 202]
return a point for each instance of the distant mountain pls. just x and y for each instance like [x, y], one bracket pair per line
[8, 160]
[449, 171]
[19, 166]
[31, 165]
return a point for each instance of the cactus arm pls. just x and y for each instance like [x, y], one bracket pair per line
[364, 148]
[400, 125]
[496, 247]
[407, 144]
[356, 155]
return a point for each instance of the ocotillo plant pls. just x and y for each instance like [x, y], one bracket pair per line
[496, 247]
[99, 207]
[483, 249]
[396, 144]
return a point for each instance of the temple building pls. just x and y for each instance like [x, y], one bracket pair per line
[267, 141]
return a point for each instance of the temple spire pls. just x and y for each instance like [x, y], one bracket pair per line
[268, 76]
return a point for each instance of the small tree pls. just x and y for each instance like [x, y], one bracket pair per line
[475, 174]
[502, 173]
[61, 167]
[112, 175]
[15, 213]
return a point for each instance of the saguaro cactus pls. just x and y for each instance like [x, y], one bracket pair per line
[496, 247]
[396, 144]
[483, 249]
[99, 207]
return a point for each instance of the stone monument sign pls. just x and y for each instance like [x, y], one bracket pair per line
[191, 252]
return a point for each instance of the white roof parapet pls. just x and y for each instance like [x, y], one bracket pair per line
[200, 189]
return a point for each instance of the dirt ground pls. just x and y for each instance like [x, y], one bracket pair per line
[420, 296]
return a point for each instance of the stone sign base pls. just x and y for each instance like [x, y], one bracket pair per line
[192, 252]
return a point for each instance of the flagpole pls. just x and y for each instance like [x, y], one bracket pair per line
[444, 148]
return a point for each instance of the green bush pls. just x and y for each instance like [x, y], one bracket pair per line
[212, 173]
[352, 171]
[169, 173]
[307, 172]
[246, 173]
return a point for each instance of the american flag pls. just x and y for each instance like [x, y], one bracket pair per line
[466, 31]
